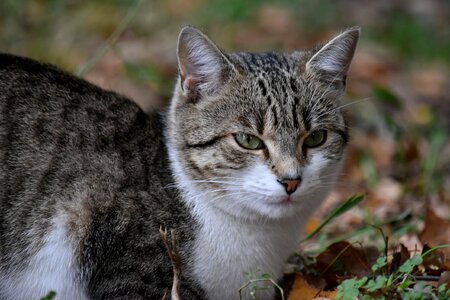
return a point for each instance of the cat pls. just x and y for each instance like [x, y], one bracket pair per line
[250, 145]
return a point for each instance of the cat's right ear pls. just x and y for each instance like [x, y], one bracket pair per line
[331, 62]
[203, 68]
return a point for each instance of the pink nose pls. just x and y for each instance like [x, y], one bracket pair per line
[290, 185]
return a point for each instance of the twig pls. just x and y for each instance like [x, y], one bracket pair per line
[165, 294]
[111, 41]
[174, 258]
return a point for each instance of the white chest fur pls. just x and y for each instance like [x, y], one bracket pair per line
[226, 249]
[52, 268]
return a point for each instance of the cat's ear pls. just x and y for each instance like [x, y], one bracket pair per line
[203, 68]
[332, 61]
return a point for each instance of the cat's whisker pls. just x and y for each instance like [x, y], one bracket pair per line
[228, 195]
[317, 100]
[255, 188]
[225, 177]
[217, 181]
[344, 105]
[224, 190]
[322, 180]
[261, 191]
[340, 73]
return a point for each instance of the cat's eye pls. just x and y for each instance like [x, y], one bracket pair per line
[249, 141]
[315, 139]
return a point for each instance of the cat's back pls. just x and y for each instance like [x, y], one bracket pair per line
[56, 129]
[31, 89]
[77, 164]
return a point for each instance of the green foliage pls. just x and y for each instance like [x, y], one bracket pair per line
[379, 264]
[386, 96]
[228, 10]
[347, 205]
[50, 296]
[376, 284]
[306, 12]
[422, 291]
[429, 162]
[369, 169]
[409, 265]
[349, 289]
[413, 39]
[254, 284]
[400, 283]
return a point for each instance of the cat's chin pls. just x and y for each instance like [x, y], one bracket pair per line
[278, 207]
[282, 201]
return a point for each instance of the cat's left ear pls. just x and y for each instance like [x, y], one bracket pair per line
[332, 61]
[203, 68]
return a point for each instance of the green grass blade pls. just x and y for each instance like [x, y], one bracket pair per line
[347, 205]
[435, 248]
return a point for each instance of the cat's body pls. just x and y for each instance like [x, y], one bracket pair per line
[87, 179]
[82, 165]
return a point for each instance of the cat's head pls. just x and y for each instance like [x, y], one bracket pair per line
[258, 135]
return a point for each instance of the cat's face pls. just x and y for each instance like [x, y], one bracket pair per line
[263, 137]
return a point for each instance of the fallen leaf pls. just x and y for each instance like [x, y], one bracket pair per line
[434, 262]
[313, 224]
[445, 278]
[411, 242]
[341, 261]
[436, 231]
[301, 290]
[398, 258]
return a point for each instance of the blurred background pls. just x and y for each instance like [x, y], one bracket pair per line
[398, 86]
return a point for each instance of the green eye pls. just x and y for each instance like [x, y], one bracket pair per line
[315, 139]
[248, 141]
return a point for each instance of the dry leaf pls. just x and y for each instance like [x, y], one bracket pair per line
[312, 224]
[398, 258]
[341, 261]
[436, 231]
[445, 278]
[301, 290]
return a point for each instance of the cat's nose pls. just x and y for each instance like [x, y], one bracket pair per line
[290, 185]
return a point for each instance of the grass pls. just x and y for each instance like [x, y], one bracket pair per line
[411, 38]
[253, 285]
[399, 284]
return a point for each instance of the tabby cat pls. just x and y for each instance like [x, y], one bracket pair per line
[248, 148]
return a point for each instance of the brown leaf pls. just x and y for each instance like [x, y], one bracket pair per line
[341, 261]
[303, 291]
[434, 262]
[436, 231]
[445, 278]
[312, 224]
[398, 258]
